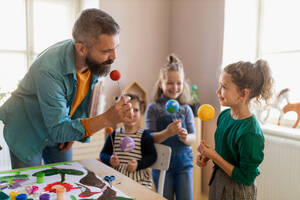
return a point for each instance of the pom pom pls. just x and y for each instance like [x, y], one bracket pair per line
[109, 130]
[172, 106]
[194, 87]
[206, 112]
[115, 75]
[127, 144]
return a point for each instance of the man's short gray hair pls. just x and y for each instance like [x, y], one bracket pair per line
[92, 23]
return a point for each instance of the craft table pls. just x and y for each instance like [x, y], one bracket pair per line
[122, 182]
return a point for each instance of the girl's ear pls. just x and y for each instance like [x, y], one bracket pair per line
[81, 49]
[245, 93]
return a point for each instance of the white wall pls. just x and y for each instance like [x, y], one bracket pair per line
[144, 41]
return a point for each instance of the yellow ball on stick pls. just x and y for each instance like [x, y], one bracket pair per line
[206, 112]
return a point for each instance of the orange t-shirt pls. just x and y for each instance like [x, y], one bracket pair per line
[82, 88]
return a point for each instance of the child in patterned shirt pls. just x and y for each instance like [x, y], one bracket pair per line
[133, 163]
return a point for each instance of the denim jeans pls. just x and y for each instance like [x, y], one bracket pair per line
[179, 185]
[179, 177]
[50, 154]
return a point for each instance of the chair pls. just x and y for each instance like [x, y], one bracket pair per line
[162, 163]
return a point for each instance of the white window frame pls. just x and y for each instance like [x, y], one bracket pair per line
[28, 52]
[78, 5]
[260, 7]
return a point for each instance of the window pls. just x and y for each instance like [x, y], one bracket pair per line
[27, 28]
[266, 29]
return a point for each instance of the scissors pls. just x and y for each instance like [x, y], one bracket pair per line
[109, 179]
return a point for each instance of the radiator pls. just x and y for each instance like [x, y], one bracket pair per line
[280, 170]
[4, 153]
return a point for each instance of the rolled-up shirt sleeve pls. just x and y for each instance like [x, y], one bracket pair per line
[189, 120]
[85, 123]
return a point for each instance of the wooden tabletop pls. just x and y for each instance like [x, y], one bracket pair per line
[125, 184]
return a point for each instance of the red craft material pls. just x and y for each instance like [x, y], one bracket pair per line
[65, 185]
[115, 75]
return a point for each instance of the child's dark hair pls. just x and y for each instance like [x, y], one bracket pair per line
[254, 76]
[173, 64]
[135, 97]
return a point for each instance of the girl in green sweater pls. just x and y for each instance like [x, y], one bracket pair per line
[239, 140]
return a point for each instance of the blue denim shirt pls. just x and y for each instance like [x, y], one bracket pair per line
[157, 118]
[38, 112]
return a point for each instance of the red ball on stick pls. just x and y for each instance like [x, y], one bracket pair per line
[115, 75]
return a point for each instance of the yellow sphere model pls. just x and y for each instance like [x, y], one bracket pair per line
[206, 112]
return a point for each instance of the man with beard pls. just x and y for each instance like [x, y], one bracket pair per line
[49, 109]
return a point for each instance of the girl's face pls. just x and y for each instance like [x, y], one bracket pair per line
[228, 93]
[172, 85]
[136, 113]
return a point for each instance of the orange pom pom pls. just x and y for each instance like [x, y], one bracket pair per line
[206, 112]
[109, 130]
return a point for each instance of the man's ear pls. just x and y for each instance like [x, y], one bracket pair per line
[81, 49]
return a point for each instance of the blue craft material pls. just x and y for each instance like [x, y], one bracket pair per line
[45, 197]
[172, 106]
[21, 196]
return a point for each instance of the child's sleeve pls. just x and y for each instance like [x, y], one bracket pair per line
[107, 150]
[189, 120]
[150, 118]
[251, 151]
[149, 154]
